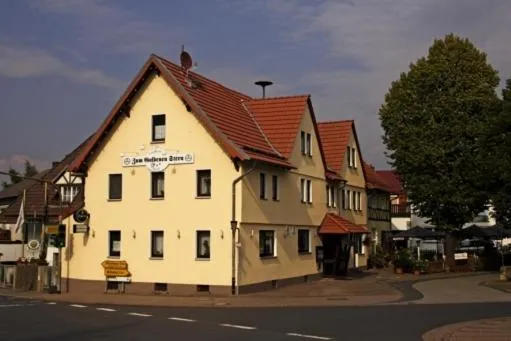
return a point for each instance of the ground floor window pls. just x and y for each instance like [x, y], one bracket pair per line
[304, 241]
[203, 244]
[157, 244]
[114, 249]
[267, 243]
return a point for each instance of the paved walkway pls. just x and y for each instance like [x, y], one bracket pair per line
[460, 290]
[498, 329]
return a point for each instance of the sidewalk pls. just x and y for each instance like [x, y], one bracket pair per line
[498, 329]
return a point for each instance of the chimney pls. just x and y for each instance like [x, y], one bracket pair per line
[263, 84]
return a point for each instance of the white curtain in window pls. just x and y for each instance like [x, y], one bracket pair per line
[159, 132]
[158, 243]
[160, 185]
[205, 183]
[204, 245]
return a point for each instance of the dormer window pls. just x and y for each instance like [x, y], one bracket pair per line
[68, 193]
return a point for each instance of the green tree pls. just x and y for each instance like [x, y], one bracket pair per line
[498, 145]
[15, 176]
[433, 119]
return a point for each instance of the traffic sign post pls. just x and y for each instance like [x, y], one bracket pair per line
[116, 271]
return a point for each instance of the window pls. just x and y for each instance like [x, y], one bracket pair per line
[344, 201]
[262, 186]
[267, 243]
[114, 249]
[302, 190]
[354, 157]
[68, 193]
[158, 128]
[275, 188]
[334, 196]
[357, 244]
[302, 141]
[115, 187]
[203, 245]
[328, 196]
[204, 183]
[309, 144]
[348, 198]
[304, 241]
[354, 200]
[348, 154]
[157, 184]
[309, 191]
[156, 244]
[359, 201]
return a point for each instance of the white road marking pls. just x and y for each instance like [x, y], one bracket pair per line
[309, 336]
[238, 326]
[10, 305]
[181, 319]
[139, 314]
[78, 306]
[51, 303]
[105, 309]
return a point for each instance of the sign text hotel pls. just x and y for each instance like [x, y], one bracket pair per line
[157, 160]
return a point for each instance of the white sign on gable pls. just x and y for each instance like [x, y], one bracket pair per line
[157, 160]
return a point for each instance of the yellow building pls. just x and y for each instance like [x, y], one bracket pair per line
[191, 186]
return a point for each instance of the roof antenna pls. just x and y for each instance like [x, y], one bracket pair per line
[186, 60]
[263, 84]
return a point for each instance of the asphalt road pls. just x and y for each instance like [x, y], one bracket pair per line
[37, 320]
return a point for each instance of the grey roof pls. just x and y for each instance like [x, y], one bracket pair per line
[16, 189]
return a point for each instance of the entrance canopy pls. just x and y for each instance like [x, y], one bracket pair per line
[335, 224]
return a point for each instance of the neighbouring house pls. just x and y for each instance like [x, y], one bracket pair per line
[52, 199]
[191, 186]
[345, 227]
[401, 213]
[378, 207]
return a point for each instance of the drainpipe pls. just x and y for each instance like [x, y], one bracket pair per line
[234, 227]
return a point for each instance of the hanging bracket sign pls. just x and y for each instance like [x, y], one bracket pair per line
[157, 160]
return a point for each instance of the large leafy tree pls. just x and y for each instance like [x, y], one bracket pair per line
[498, 148]
[433, 119]
[15, 176]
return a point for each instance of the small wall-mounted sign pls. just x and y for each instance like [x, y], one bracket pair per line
[81, 215]
[81, 228]
[157, 160]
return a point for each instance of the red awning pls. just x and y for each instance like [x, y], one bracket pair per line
[335, 224]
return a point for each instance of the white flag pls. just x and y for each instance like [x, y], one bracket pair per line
[21, 216]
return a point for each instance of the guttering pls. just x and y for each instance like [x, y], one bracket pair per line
[234, 227]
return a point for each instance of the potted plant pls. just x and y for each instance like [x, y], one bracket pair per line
[420, 266]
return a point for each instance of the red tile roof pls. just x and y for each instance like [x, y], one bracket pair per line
[280, 119]
[334, 138]
[374, 180]
[335, 224]
[393, 180]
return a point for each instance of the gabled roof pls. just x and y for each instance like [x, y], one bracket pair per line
[280, 119]
[393, 180]
[374, 180]
[35, 194]
[221, 111]
[335, 224]
[334, 138]
[16, 189]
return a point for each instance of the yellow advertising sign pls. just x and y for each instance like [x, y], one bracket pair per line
[115, 268]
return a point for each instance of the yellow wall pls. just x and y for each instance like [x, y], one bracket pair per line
[288, 211]
[179, 213]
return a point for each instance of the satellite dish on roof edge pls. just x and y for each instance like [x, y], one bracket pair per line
[186, 59]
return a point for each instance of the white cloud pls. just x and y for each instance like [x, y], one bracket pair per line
[18, 62]
[381, 37]
[104, 25]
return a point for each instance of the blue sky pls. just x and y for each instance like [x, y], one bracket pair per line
[64, 63]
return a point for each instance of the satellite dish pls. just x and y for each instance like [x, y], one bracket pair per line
[186, 59]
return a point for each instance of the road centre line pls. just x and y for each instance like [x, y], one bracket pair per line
[78, 306]
[51, 303]
[181, 319]
[139, 314]
[106, 309]
[238, 326]
[309, 336]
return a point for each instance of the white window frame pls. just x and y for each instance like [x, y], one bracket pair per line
[349, 199]
[328, 197]
[303, 198]
[334, 196]
[152, 235]
[309, 191]
[68, 193]
[274, 244]
[354, 157]
[308, 143]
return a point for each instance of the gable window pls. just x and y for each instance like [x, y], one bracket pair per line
[203, 244]
[157, 185]
[348, 155]
[328, 198]
[334, 196]
[302, 190]
[156, 244]
[354, 200]
[302, 142]
[115, 186]
[267, 243]
[348, 199]
[359, 201]
[354, 157]
[262, 186]
[68, 193]
[114, 241]
[158, 128]
[309, 144]
[343, 198]
[304, 241]
[309, 191]
[275, 188]
[204, 183]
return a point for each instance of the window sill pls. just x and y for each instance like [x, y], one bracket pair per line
[305, 253]
[157, 141]
[157, 198]
[113, 200]
[203, 197]
[156, 258]
[267, 257]
[199, 259]
[114, 257]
